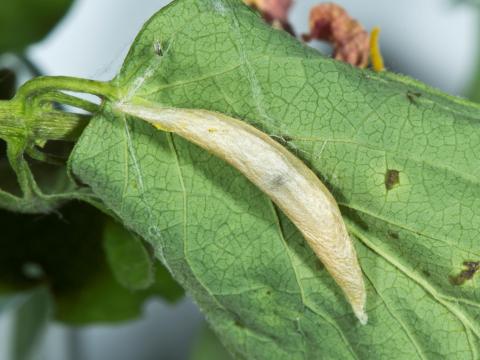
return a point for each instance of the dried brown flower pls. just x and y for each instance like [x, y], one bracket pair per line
[351, 43]
[275, 12]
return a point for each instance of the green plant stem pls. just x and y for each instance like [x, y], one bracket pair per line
[43, 125]
[26, 117]
[57, 125]
[11, 125]
[44, 84]
[66, 99]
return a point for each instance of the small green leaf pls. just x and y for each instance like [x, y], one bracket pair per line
[130, 262]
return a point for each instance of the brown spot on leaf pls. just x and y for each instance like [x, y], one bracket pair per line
[392, 179]
[413, 96]
[351, 42]
[393, 235]
[471, 267]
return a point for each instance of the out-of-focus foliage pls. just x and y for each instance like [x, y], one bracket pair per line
[65, 253]
[32, 315]
[23, 22]
[471, 2]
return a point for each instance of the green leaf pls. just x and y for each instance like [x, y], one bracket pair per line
[65, 252]
[23, 22]
[402, 160]
[130, 262]
[208, 347]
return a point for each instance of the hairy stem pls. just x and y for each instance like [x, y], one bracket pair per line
[26, 116]
[57, 125]
[42, 125]
[66, 99]
[11, 126]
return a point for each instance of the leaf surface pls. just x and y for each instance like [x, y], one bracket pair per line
[208, 347]
[402, 160]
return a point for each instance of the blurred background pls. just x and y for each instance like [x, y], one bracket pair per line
[435, 41]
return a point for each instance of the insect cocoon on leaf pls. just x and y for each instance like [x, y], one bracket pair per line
[291, 185]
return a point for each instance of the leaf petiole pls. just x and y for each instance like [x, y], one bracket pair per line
[60, 97]
[45, 84]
